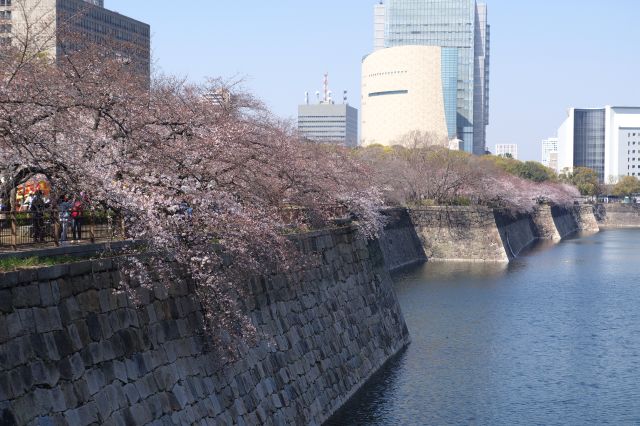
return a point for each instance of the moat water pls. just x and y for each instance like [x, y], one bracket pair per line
[553, 338]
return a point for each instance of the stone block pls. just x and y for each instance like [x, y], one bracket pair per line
[44, 373]
[74, 335]
[47, 319]
[94, 326]
[55, 292]
[46, 295]
[83, 415]
[26, 296]
[95, 380]
[120, 371]
[14, 325]
[180, 393]
[69, 310]
[28, 319]
[58, 403]
[63, 343]
[6, 301]
[50, 347]
[69, 395]
[131, 392]
[89, 301]
[104, 405]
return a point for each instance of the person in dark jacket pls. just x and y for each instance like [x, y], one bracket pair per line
[37, 208]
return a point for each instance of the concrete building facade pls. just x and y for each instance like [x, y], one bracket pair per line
[503, 149]
[44, 24]
[461, 29]
[550, 147]
[606, 140]
[329, 123]
[402, 93]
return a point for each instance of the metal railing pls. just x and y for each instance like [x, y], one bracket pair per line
[23, 229]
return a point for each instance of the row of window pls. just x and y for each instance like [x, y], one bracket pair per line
[387, 73]
[97, 16]
[5, 14]
[5, 2]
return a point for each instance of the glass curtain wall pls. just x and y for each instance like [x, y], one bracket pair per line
[589, 136]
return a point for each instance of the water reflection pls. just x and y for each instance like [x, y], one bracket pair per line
[553, 338]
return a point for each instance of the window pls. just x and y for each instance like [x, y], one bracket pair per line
[390, 92]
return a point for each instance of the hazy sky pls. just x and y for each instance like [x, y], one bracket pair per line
[546, 55]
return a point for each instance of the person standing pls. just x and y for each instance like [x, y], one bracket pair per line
[37, 208]
[76, 219]
[64, 209]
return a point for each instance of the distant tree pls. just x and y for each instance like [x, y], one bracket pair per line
[585, 179]
[626, 186]
[508, 155]
[530, 170]
[420, 139]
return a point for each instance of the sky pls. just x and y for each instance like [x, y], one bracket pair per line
[546, 55]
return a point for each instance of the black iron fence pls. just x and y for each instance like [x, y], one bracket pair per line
[19, 229]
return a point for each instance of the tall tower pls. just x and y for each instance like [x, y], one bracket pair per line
[461, 29]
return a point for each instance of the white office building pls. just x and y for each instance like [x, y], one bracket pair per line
[549, 147]
[606, 140]
[502, 149]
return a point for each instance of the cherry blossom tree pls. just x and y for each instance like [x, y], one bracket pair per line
[202, 182]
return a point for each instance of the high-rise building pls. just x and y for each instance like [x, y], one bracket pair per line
[606, 140]
[553, 161]
[328, 122]
[503, 149]
[402, 94]
[461, 29]
[47, 24]
[549, 146]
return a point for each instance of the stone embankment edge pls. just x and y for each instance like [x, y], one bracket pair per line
[339, 246]
[483, 235]
[617, 216]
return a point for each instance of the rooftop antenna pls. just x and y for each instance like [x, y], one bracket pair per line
[318, 96]
[344, 98]
[326, 87]
[306, 98]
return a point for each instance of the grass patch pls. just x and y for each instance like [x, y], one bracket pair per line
[15, 264]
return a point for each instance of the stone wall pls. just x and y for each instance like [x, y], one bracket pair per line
[517, 232]
[482, 234]
[586, 218]
[399, 242]
[618, 215]
[459, 234]
[565, 220]
[545, 224]
[75, 351]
